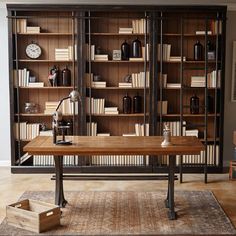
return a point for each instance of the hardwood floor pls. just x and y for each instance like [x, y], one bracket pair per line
[13, 185]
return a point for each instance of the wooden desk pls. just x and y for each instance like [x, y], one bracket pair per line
[115, 145]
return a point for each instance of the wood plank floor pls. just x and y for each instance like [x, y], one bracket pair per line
[13, 185]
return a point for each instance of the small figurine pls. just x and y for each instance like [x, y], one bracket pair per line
[166, 135]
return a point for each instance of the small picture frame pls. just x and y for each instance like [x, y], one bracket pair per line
[116, 55]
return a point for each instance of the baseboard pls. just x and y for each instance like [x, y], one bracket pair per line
[5, 163]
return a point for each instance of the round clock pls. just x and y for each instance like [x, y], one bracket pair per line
[33, 51]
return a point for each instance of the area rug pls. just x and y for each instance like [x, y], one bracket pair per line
[133, 213]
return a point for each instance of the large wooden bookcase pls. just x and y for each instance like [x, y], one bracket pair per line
[167, 68]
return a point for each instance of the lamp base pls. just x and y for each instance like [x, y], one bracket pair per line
[63, 142]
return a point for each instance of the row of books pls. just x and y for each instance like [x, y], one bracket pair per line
[119, 160]
[166, 48]
[95, 105]
[141, 129]
[162, 107]
[26, 131]
[48, 160]
[21, 77]
[65, 54]
[66, 107]
[216, 27]
[140, 26]
[212, 80]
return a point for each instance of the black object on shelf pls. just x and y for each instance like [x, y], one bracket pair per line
[198, 51]
[194, 104]
[137, 104]
[125, 51]
[66, 77]
[210, 51]
[136, 48]
[126, 104]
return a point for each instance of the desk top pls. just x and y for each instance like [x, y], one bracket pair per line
[115, 145]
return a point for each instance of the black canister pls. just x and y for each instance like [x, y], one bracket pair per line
[198, 51]
[137, 104]
[66, 77]
[125, 49]
[126, 104]
[194, 104]
[136, 48]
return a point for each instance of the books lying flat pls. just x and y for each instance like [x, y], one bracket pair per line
[99, 84]
[101, 57]
[33, 29]
[203, 32]
[129, 135]
[173, 85]
[125, 30]
[176, 58]
[103, 134]
[111, 110]
[192, 132]
[125, 85]
[136, 59]
[36, 84]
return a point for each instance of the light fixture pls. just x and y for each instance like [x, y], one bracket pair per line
[74, 96]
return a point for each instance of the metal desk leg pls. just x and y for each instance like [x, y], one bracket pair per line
[171, 214]
[59, 192]
[168, 192]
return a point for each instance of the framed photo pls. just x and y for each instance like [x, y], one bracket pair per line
[116, 55]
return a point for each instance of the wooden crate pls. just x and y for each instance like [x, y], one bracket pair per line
[232, 170]
[33, 215]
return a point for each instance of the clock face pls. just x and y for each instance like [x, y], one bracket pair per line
[33, 51]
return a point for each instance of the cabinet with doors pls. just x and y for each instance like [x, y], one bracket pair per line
[135, 69]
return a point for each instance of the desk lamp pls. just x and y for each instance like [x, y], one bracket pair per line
[74, 96]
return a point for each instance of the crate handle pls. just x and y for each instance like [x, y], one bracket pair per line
[18, 205]
[49, 213]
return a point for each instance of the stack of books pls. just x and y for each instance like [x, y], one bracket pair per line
[36, 84]
[99, 84]
[101, 57]
[138, 79]
[147, 52]
[162, 107]
[176, 58]
[191, 132]
[62, 54]
[140, 26]
[27, 131]
[203, 32]
[21, 26]
[103, 134]
[166, 48]
[173, 85]
[50, 107]
[216, 26]
[22, 79]
[111, 110]
[91, 128]
[33, 29]
[198, 81]
[125, 85]
[95, 105]
[140, 130]
[125, 30]
[212, 81]
[162, 80]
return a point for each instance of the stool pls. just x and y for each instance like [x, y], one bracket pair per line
[232, 170]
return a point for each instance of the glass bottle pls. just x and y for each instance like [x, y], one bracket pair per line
[136, 48]
[137, 104]
[125, 51]
[194, 104]
[66, 77]
[126, 104]
[198, 51]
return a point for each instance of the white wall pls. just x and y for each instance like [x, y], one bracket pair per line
[4, 90]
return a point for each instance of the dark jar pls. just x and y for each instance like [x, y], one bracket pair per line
[194, 104]
[137, 104]
[198, 51]
[66, 77]
[136, 48]
[126, 104]
[210, 104]
[125, 49]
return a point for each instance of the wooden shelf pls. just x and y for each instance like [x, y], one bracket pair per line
[38, 115]
[120, 115]
[116, 34]
[44, 61]
[111, 61]
[53, 88]
[210, 139]
[119, 88]
[46, 34]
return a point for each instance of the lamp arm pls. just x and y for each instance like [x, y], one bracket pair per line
[61, 102]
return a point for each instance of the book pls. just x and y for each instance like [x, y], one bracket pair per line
[136, 59]
[101, 57]
[173, 85]
[36, 84]
[203, 32]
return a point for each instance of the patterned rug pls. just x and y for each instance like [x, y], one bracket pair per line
[133, 213]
